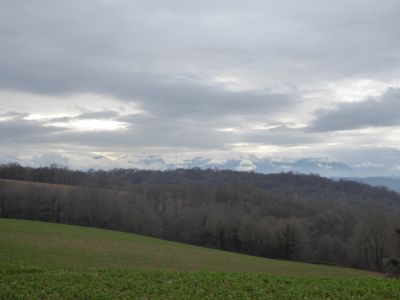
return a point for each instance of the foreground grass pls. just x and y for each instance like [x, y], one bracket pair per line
[120, 284]
[52, 261]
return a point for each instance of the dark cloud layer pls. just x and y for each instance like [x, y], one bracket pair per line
[25, 132]
[381, 112]
[137, 51]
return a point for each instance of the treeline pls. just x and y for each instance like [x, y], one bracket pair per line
[288, 216]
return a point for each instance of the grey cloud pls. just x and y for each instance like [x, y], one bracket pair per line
[160, 94]
[98, 157]
[24, 131]
[96, 115]
[143, 131]
[381, 112]
[147, 131]
[167, 57]
[281, 135]
[292, 42]
[171, 97]
[107, 114]
[14, 115]
[117, 47]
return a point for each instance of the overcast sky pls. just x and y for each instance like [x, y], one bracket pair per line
[127, 79]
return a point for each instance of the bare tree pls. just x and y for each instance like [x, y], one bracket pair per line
[374, 239]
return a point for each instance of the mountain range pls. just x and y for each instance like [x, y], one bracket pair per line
[322, 166]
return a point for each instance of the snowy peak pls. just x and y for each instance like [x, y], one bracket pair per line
[322, 166]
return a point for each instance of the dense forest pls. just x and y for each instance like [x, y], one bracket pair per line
[290, 216]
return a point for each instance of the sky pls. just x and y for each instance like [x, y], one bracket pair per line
[102, 83]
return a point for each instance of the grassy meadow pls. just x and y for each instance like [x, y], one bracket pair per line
[53, 261]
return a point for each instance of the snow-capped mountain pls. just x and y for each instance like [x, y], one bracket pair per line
[320, 166]
[366, 172]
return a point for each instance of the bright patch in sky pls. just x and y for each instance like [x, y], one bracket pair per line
[227, 129]
[359, 89]
[47, 106]
[91, 125]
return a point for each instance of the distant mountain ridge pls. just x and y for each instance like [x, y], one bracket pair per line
[321, 166]
[250, 163]
[392, 183]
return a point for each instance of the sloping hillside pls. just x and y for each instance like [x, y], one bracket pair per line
[55, 246]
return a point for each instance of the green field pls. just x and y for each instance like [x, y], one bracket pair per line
[45, 260]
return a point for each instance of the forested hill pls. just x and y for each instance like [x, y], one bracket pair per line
[295, 184]
[289, 216]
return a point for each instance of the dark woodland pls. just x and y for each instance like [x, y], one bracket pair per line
[288, 216]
